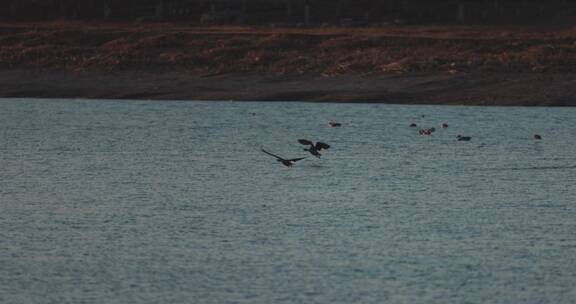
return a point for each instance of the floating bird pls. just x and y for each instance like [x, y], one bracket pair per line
[537, 136]
[444, 125]
[285, 162]
[314, 148]
[413, 125]
[463, 138]
[334, 124]
[426, 131]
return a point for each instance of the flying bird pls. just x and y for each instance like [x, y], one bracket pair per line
[314, 148]
[285, 162]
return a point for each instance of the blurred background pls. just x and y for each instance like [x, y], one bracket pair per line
[295, 12]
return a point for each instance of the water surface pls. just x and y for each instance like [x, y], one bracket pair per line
[173, 202]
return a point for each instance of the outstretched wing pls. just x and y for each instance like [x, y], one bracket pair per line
[296, 159]
[305, 142]
[278, 157]
[321, 145]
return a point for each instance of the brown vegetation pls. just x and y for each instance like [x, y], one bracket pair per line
[81, 47]
[325, 52]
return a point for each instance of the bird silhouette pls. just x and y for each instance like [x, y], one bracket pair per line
[334, 124]
[537, 136]
[463, 138]
[286, 162]
[314, 148]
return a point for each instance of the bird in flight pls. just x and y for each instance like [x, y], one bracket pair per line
[314, 148]
[285, 162]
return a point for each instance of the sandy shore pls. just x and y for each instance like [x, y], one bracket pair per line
[406, 65]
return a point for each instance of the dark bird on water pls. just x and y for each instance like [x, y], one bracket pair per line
[334, 124]
[314, 148]
[537, 136]
[463, 138]
[426, 131]
[285, 162]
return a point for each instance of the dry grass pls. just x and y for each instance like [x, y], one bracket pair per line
[326, 51]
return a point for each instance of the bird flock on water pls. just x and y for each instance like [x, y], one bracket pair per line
[314, 148]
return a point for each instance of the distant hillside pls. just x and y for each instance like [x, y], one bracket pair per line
[93, 46]
[454, 64]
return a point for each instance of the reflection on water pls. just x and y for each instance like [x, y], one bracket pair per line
[173, 202]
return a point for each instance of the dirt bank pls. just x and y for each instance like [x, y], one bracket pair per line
[434, 64]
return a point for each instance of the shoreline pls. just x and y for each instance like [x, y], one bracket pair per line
[486, 89]
[425, 64]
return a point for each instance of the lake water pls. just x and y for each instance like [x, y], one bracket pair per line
[173, 202]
